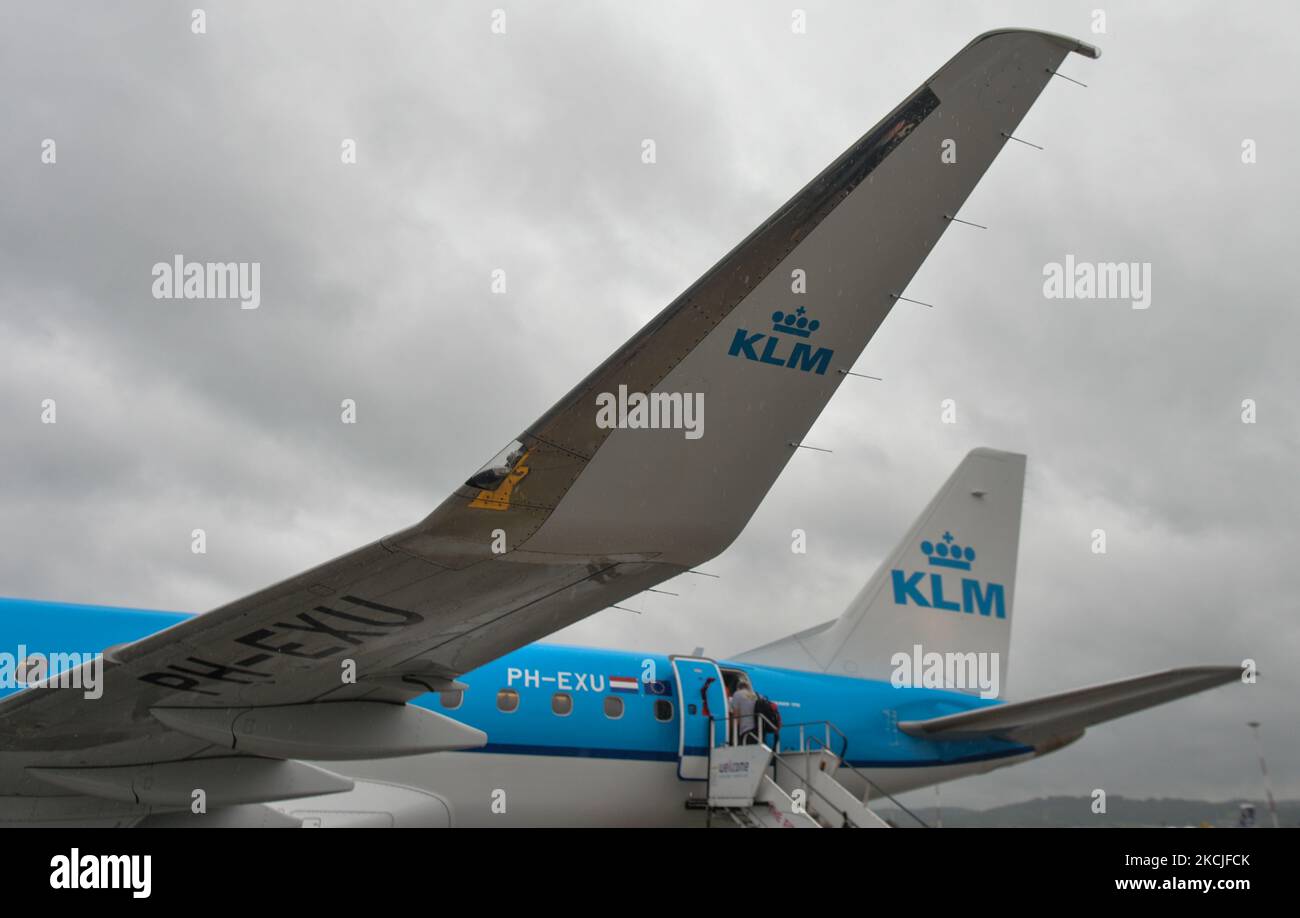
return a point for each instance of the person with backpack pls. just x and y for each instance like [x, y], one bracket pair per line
[768, 716]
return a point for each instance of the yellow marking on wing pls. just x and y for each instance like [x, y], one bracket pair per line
[500, 498]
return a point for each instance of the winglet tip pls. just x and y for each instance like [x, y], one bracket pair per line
[1065, 41]
[1087, 50]
[1006, 455]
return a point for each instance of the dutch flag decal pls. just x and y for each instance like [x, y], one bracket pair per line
[623, 684]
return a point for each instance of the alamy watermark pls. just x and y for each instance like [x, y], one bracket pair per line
[210, 280]
[974, 671]
[84, 671]
[641, 411]
[1103, 280]
[75, 870]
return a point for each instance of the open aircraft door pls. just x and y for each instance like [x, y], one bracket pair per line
[701, 695]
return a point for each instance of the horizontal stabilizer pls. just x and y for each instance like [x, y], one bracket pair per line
[1068, 714]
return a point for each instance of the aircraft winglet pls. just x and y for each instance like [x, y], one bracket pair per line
[763, 339]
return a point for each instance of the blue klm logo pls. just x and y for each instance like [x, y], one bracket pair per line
[948, 554]
[801, 357]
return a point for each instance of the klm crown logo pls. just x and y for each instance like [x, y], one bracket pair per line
[801, 356]
[988, 599]
[945, 553]
[794, 323]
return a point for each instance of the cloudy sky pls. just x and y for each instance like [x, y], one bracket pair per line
[522, 152]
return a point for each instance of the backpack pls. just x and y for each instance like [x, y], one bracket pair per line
[770, 713]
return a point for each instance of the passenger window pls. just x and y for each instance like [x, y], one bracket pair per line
[507, 700]
[562, 704]
[613, 707]
[452, 700]
[663, 710]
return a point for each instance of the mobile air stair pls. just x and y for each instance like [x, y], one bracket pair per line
[807, 786]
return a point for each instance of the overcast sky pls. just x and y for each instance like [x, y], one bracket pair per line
[522, 151]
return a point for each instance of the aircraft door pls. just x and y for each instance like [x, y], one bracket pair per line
[700, 694]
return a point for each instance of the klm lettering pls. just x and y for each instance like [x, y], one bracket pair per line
[974, 598]
[768, 349]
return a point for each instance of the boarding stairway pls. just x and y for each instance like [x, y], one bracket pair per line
[804, 786]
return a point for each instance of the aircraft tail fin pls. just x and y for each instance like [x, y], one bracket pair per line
[947, 588]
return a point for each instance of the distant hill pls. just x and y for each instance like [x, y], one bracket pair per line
[1120, 812]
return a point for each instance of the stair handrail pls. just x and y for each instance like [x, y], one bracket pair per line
[764, 726]
[806, 739]
[759, 720]
[880, 792]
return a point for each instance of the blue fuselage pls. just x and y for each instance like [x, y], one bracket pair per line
[514, 699]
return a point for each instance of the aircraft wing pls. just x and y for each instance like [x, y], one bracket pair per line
[1066, 715]
[574, 515]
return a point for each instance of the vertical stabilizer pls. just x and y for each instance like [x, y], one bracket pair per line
[947, 588]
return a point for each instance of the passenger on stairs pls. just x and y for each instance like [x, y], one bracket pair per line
[742, 704]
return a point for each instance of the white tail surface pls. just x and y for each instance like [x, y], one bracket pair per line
[947, 589]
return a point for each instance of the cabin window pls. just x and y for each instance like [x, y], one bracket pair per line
[507, 700]
[453, 699]
[561, 704]
[613, 707]
[663, 710]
